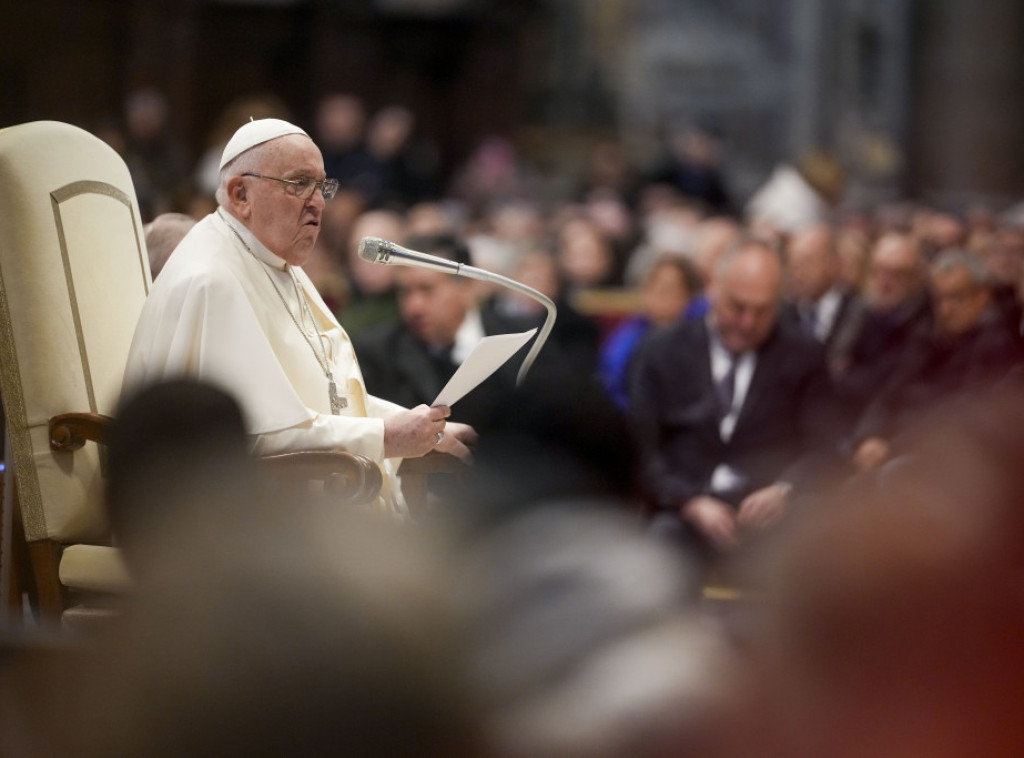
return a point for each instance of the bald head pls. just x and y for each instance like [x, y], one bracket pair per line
[745, 296]
[163, 235]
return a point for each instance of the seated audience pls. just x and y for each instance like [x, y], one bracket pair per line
[371, 287]
[1004, 260]
[586, 256]
[735, 412]
[664, 297]
[341, 134]
[402, 165]
[968, 349]
[412, 358]
[693, 167]
[894, 304]
[575, 338]
[818, 301]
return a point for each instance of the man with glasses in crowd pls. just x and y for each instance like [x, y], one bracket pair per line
[233, 307]
[967, 350]
[892, 307]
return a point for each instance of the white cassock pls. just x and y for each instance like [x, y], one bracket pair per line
[227, 311]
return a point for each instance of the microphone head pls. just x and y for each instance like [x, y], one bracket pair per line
[374, 249]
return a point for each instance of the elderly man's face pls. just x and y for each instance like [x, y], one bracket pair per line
[285, 223]
[745, 299]
[894, 273]
[958, 301]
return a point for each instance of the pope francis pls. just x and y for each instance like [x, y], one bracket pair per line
[233, 307]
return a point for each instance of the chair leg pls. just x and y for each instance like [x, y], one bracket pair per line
[49, 594]
[33, 570]
[10, 594]
[14, 561]
[15, 577]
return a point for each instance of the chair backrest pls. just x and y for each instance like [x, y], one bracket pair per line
[73, 278]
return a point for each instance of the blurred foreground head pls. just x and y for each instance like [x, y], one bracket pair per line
[304, 631]
[176, 448]
[896, 620]
[583, 644]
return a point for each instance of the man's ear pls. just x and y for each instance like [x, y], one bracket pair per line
[238, 197]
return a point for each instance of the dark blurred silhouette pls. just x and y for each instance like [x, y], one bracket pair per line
[341, 135]
[692, 166]
[298, 630]
[893, 618]
[175, 448]
[157, 160]
[403, 165]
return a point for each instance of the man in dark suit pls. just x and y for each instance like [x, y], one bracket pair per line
[735, 412]
[894, 305]
[817, 300]
[410, 359]
[969, 348]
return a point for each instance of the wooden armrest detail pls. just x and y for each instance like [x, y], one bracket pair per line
[351, 477]
[70, 431]
[414, 473]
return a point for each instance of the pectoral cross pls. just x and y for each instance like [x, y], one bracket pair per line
[337, 401]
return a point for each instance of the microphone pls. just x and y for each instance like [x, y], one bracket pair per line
[385, 252]
[377, 250]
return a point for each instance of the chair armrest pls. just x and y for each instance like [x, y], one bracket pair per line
[70, 431]
[350, 477]
[415, 472]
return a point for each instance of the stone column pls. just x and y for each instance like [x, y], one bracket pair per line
[967, 134]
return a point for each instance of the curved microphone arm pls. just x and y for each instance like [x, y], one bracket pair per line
[382, 251]
[549, 320]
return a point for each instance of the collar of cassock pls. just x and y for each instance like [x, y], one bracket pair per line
[261, 251]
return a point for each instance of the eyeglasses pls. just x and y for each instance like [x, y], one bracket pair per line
[304, 188]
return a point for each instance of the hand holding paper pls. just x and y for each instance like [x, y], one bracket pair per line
[486, 358]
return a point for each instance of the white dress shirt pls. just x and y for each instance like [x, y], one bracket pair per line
[725, 478]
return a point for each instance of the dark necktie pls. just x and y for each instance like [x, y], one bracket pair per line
[442, 359]
[727, 386]
[809, 318]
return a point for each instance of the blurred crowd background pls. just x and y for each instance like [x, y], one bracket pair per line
[603, 133]
[605, 152]
[917, 98]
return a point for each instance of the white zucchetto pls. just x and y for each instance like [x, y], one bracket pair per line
[256, 133]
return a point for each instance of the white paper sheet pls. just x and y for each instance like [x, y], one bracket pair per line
[485, 359]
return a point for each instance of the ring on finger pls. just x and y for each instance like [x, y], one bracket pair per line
[440, 436]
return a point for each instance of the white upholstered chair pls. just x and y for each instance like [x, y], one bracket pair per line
[73, 277]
